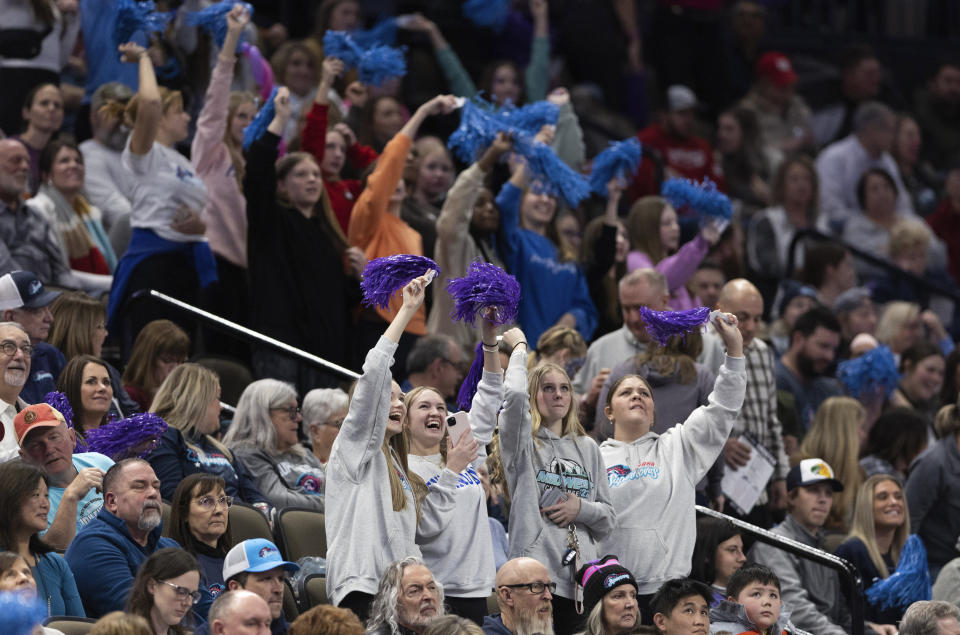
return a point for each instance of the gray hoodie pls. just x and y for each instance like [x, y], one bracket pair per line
[652, 483]
[461, 555]
[732, 617]
[364, 534]
[571, 463]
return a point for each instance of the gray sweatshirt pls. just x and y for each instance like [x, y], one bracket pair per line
[461, 555]
[286, 479]
[364, 534]
[532, 466]
[652, 484]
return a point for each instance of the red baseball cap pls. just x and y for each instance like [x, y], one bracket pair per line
[39, 415]
[775, 67]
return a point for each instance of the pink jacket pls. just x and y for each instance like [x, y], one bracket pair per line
[677, 269]
[226, 211]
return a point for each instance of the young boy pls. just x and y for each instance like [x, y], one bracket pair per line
[753, 605]
[682, 607]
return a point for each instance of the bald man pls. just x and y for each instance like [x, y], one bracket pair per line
[524, 595]
[758, 417]
[239, 613]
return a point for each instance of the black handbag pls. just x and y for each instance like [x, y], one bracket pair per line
[22, 44]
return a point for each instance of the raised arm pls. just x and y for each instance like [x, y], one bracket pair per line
[212, 122]
[260, 180]
[314, 136]
[456, 75]
[457, 210]
[537, 74]
[150, 107]
[489, 396]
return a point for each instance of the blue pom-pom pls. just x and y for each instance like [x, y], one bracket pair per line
[469, 386]
[213, 19]
[380, 63]
[489, 13]
[620, 160]
[134, 436]
[874, 371]
[260, 122]
[909, 583]
[703, 198]
[551, 172]
[477, 130]
[133, 16]
[485, 285]
[383, 32]
[530, 118]
[663, 325]
[382, 277]
[339, 44]
[59, 402]
[21, 612]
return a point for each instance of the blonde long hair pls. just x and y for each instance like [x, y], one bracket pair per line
[835, 438]
[237, 99]
[571, 421]
[864, 523]
[182, 401]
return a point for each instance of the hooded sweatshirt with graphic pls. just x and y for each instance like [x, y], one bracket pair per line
[652, 483]
[364, 533]
[732, 617]
[572, 464]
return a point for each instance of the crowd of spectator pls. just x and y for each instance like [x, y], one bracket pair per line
[569, 502]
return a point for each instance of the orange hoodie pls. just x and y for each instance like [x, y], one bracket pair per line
[380, 233]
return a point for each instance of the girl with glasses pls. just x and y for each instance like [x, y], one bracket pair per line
[165, 591]
[264, 436]
[199, 521]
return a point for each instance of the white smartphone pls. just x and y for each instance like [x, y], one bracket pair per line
[458, 424]
[551, 496]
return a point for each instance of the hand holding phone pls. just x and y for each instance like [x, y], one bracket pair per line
[458, 424]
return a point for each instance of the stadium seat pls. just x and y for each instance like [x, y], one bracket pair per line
[247, 522]
[69, 625]
[300, 533]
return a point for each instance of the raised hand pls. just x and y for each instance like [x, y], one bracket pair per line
[347, 133]
[237, 19]
[415, 292]
[331, 68]
[131, 52]
[514, 337]
[462, 454]
[281, 104]
[726, 326]
[439, 105]
[357, 94]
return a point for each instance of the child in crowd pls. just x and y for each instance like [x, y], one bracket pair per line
[753, 605]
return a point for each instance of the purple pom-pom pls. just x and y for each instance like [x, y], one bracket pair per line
[873, 372]
[382, 277]
[259, 68]
[489, 13]
[380, 63]
[260, 122]
[703, 198]
[663, 325]
[620, 160]
[485, 285]
[133, 16]
[134, 436]
[909, 583]
[383, 32]
[22, 612]
[59, 402]
[553, 174]
[339, 44]
[469, 386]
[213, 19]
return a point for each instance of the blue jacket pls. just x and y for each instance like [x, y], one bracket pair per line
[45, 365]
[105, 559]
[493, 625]
[278, 626]
[173, 459]
[549, 287]
[56, 586]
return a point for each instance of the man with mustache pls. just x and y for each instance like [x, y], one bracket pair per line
[805, 372]
[105, 556]
[525, 598]
[419, 599]
[15, 350]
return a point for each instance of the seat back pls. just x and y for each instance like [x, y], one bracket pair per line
[247, 522]
[300, 533]
[313, 592]
[69, 625]
[291, 610]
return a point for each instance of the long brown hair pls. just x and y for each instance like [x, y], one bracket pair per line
[70, 383]
[676, 357]
[323, 209]
[76, 317]
[164, 564]
[235, 150]
[571, 421]
[643, 226]
[864, 523]
[159, 337]
[20, 481]
[189, 488]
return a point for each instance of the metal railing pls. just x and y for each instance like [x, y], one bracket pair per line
[849, 576]
[244, 333]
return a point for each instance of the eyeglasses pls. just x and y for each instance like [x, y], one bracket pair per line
[537, 588]
[183, 592]
[334, 423]
[9, 348]
[210, 503]
[292, 412]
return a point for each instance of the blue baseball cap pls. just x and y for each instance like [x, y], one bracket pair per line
[253, 556]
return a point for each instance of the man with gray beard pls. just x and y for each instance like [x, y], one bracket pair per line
[105, 556]
[407, 599]
[15, 353]
[525, 598]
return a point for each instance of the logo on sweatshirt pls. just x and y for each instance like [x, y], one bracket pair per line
[309, 483]
[216, 589]
[202, 458]
[619, 474]
[467, 478]
[566, 474]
